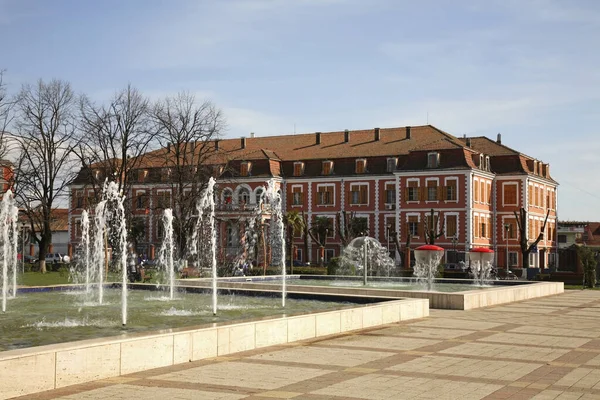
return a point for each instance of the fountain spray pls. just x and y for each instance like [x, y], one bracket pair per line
[277, 231]
[85, 239]
[207, 202]
[167, 249]
[8, 222]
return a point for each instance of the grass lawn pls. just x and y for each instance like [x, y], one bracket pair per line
[52, 278]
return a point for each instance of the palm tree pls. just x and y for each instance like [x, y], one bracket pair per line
[294, 222]
[318, 233]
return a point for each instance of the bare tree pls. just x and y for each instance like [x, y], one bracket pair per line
[350, 226]
[114, 137]
[526, 248]
[6, 115]
[46, 127]
[187, 131]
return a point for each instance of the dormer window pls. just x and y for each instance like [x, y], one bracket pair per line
[165, 174]
[245, 168]
[433, 160]
[327, 168]
[481, 166]
[298, 168]
[142, 175]
[97, 174]
[217, 170]
[361, 166]
[487, 163]
[392, 163]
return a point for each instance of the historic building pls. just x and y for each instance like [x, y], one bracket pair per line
[391, 177]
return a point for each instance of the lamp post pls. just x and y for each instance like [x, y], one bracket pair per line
[506, 231]
[389, 228]
[454, 240]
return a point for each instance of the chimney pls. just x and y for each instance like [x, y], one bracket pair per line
[346, 136]
[499, 139]
[408, 132]
[547, 175]
[243, 142]
[217, 144]
[377, 135]
[252, 135]
[318, 140]
[468, 142]
[169, 147]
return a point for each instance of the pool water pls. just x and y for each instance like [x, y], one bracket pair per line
[40, 318]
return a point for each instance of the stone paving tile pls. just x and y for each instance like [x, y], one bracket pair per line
[535, 340]
[128, 392]
[380, 387]
[323, 356]
[561, 395]
[423, 333]
[456, 324]
[503, 351]
[243, 374]
[581, 378]
[563, 332]
[473, 368]
[379, 342]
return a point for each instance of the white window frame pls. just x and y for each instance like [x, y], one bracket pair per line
[437, 159]
[487, 163]
[320, 185]
[512, 254]
[327, 254]
[457, 215]
[387, 164]
[413, 214]
[299, 254]
[418, 187]
[446, 180]
[139, 193]
[360, 160]
[478, 191]
[301, 168]
[437, 185]
[358, 184]
[488, 192]
[386, 223]
[504, 184]
[330, 169]
[385, 190]
[159, 192]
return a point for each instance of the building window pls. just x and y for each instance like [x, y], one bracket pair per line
[390, 194]
[245, 168]
[481, 166]
[299, 254]
[451, 190]
[325, 195]
[484, 227]
[359, 194]
[433, 160]
[412, 191]
[141, 200]
[142, 175]
[243, 196]
[392, 163]
[227, 196]
[512, 258]
[230, 235]
[413, 225]
[487, 163]
[509, 195]
[361, 166]
[329, 254]
[431, 223]
[297, 198]
[78, 199]
[165, 174]
[451, 222]
[78, 229]
[298, 168]
[432, 191]
[562, 238]
[327, 168]
[476, 226]
[163, 199]
[488, 187]
[160, 229]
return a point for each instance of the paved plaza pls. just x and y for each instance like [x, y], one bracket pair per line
[543, 349]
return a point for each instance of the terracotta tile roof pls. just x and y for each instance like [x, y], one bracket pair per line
[488, 146]
[59, 220]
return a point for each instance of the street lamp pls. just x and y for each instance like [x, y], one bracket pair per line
[454, 240]
[506, 230]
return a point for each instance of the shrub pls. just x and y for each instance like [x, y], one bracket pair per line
[333, 265]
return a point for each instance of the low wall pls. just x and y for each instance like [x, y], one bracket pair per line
[465, 300]
[36, 369]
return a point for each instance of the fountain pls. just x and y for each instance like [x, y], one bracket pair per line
[9, 214]
[427, 261]
[364, 255]
[85, 240]
[481, 265]
[109, 220]
[206, 202]
[166, 251]
[277, 233]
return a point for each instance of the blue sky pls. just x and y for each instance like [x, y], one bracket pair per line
[527, 69]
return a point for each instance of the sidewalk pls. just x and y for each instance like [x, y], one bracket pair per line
[545, 348]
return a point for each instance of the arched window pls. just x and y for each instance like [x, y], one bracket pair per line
[243, 196]
[227, 196]
[258, 194]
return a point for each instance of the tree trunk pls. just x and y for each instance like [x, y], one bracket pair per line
[322, 256]
[291, 255]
